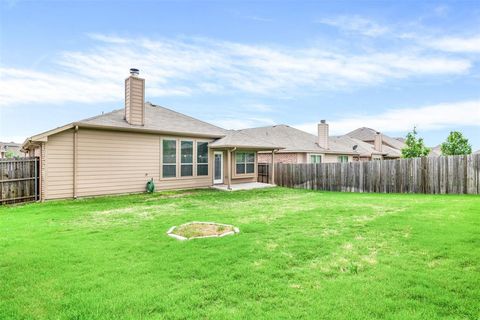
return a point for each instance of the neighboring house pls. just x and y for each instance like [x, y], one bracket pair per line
[301, 147]
[365, 151]
[435, 151]
[10, 147]
[384, 147]
[477, 152]
[118, 152]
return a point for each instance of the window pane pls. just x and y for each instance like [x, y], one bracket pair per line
[169, 151]
[202, 170]
[169, 171]
[202, 152]
[187, 151]
[240, 157]
[240, 168]
[186, 170]
[250, 168]
[250, 157]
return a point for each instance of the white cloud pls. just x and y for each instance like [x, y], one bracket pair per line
[356, 24]
[439, 116]
[195, 66]
[457, 44]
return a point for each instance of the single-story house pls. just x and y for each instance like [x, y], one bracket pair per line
[302, 147]
[119, 151]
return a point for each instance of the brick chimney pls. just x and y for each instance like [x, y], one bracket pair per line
[323, 134]
[135, 99]
[378, 142]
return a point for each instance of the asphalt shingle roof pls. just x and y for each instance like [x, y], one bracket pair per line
[161, 119]
[368, 134]
[238, 138]
[294, 140]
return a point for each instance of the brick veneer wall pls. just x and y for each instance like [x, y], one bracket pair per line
[279, 158]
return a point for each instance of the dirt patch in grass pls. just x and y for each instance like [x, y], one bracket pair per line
[202, 230]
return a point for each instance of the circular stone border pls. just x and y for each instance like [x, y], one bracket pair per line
[178, 237]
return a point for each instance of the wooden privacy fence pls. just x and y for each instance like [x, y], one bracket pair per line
[19, 180]
[435, 175]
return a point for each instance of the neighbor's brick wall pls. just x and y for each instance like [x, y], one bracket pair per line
[279, 158]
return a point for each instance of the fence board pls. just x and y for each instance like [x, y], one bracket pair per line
[435, 175]
[19, 180]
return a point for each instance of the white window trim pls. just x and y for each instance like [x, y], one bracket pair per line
[343, 156]
[190, 163]
[178, 158]
[244, 175]
[315, 154]
[201, 163]
[162, 163]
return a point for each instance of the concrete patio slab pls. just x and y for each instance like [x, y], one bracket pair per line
[243, 186]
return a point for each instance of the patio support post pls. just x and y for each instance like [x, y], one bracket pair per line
[229, 168]
[272, 169]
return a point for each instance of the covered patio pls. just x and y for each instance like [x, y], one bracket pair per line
[239, 171]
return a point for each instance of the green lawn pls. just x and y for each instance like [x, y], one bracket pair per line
[300, 254]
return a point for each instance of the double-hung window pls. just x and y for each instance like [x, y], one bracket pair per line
[169, 154]
[315, 158]
[342, 158]
[202, 158]
[186, 156]
[245, 162]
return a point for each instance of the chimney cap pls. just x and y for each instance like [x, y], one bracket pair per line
[323, 121]
[134, 72]
[378, 132]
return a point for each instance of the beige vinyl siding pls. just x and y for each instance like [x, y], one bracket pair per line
[332, 158]
[112, 162]
[59, 166]
[302, 158]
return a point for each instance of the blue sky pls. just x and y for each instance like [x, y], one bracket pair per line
[385, 65]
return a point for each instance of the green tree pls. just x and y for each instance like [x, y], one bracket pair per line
[414, 147]
[456, 144]
[10, 154]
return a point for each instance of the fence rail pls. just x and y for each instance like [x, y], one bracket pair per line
[435, 175]
[19, 180]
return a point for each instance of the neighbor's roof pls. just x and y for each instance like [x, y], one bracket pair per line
[240, 139]
[435, 151]
[477, 152]
[368, 134]
[294, 140]
[365, 149]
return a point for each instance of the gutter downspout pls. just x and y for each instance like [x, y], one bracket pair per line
[75, 161]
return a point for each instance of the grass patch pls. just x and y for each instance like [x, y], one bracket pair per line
[300, 254]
